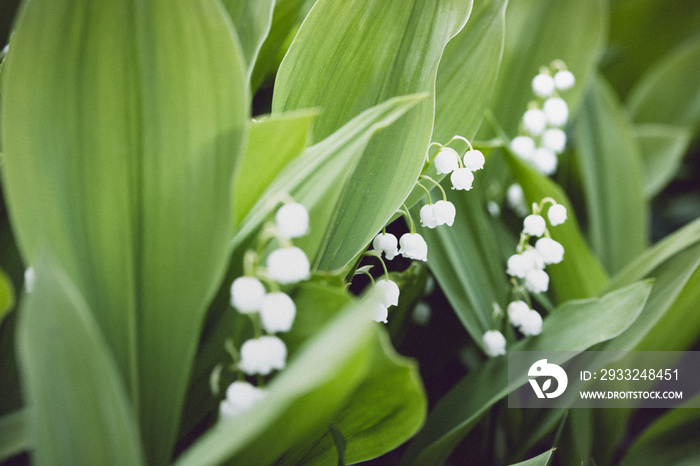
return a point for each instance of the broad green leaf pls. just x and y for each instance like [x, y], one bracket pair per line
[14, 436]
[615, 204]
[7, 294]
[671, 439]
[387, 408]
[662, 148]
[466, 261]
[574, 326]
[316, 177]
[287, 15]
[576, 446]
[642, 32]
[467, 72]
[539, 460]
[252, 19]
[668, 92]
[537, 32]
[80, 413]
[120, 144]
[579, 275]
[339, 41]
[301, 399]
[272, 144]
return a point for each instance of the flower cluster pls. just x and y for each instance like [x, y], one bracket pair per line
[526, 269]
[258, 295]
[541, 136]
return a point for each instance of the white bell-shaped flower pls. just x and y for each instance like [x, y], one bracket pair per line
[564, 80]
[446, 160]
[288, 265]
[240, 397]
[292, 220]
[545, 161]
[550, 250]
[428, 217]
[534, 121]
[554, 139]
[388, 292]
[413, 246]
[247, 294]
[518, 266]
[556, 214]
[462, 178]
[263, 355]
[556, 111]
[531, 323]
[515, 197]
[534, 260]
[517, 311]
[29, 279]
[543, 85]
[523, 147]
[536, 281]
[494, 343]
[534, 225]
[445, 213]
[277, 312]
[386, 243]
[380, 313]
[474, 160]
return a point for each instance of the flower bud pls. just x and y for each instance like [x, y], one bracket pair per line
[554, 139]
[523, 147]
[545, 161]
[534, 121]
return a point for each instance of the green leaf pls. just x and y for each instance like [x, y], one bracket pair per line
[80, 413]
[579, 275]
[539, 460]
[316, 177]
[287, 16]
[632, 49]
[301, 399]
[338, 40]
[537, 32]
[668, 93]
[616, 207]
[272, 144]
[14, 437]
[662, 148]
[574, 326]
[120, 143]
[467, 72]
[387, 408]
[7, 294]
[671, 439]
[466, 261]
[252, 19]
